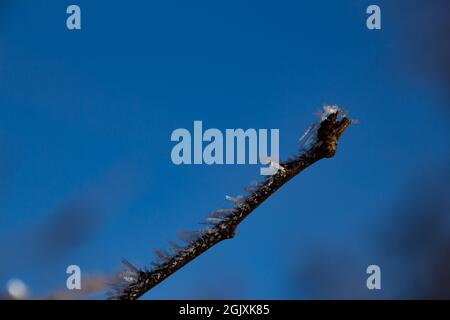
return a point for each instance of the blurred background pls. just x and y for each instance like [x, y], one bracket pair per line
[86, 116]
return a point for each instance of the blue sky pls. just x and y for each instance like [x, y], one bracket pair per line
[86, 118]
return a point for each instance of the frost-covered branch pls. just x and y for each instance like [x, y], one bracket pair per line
[321, 140]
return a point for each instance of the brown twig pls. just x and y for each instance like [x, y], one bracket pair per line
[136, 282]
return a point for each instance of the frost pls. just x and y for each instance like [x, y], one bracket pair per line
[189, 236]
[222, 213]
[327, 110]
[235, 200]
[276, 165]
[162, 254]
[273, 167]
[131, 273]
[306, 134]
[255, 183]
[213, 219]
[175, 247]
[222, 223]
[130, 266]
[129, 276]
[309, 137]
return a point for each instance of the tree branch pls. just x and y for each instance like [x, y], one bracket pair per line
[323, 143]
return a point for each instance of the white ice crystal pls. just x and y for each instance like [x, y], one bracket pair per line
[306, 134]
[327, 110]
[235, 200]
[214, 219]
[222, 212]
[276, 165]
[129, 276]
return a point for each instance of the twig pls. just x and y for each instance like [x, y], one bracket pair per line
[135, 282]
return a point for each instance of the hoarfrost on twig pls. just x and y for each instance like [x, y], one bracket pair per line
[328, 110]
[322, 140]
[235, 200]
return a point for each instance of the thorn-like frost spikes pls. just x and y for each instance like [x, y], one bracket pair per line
[321, 142]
